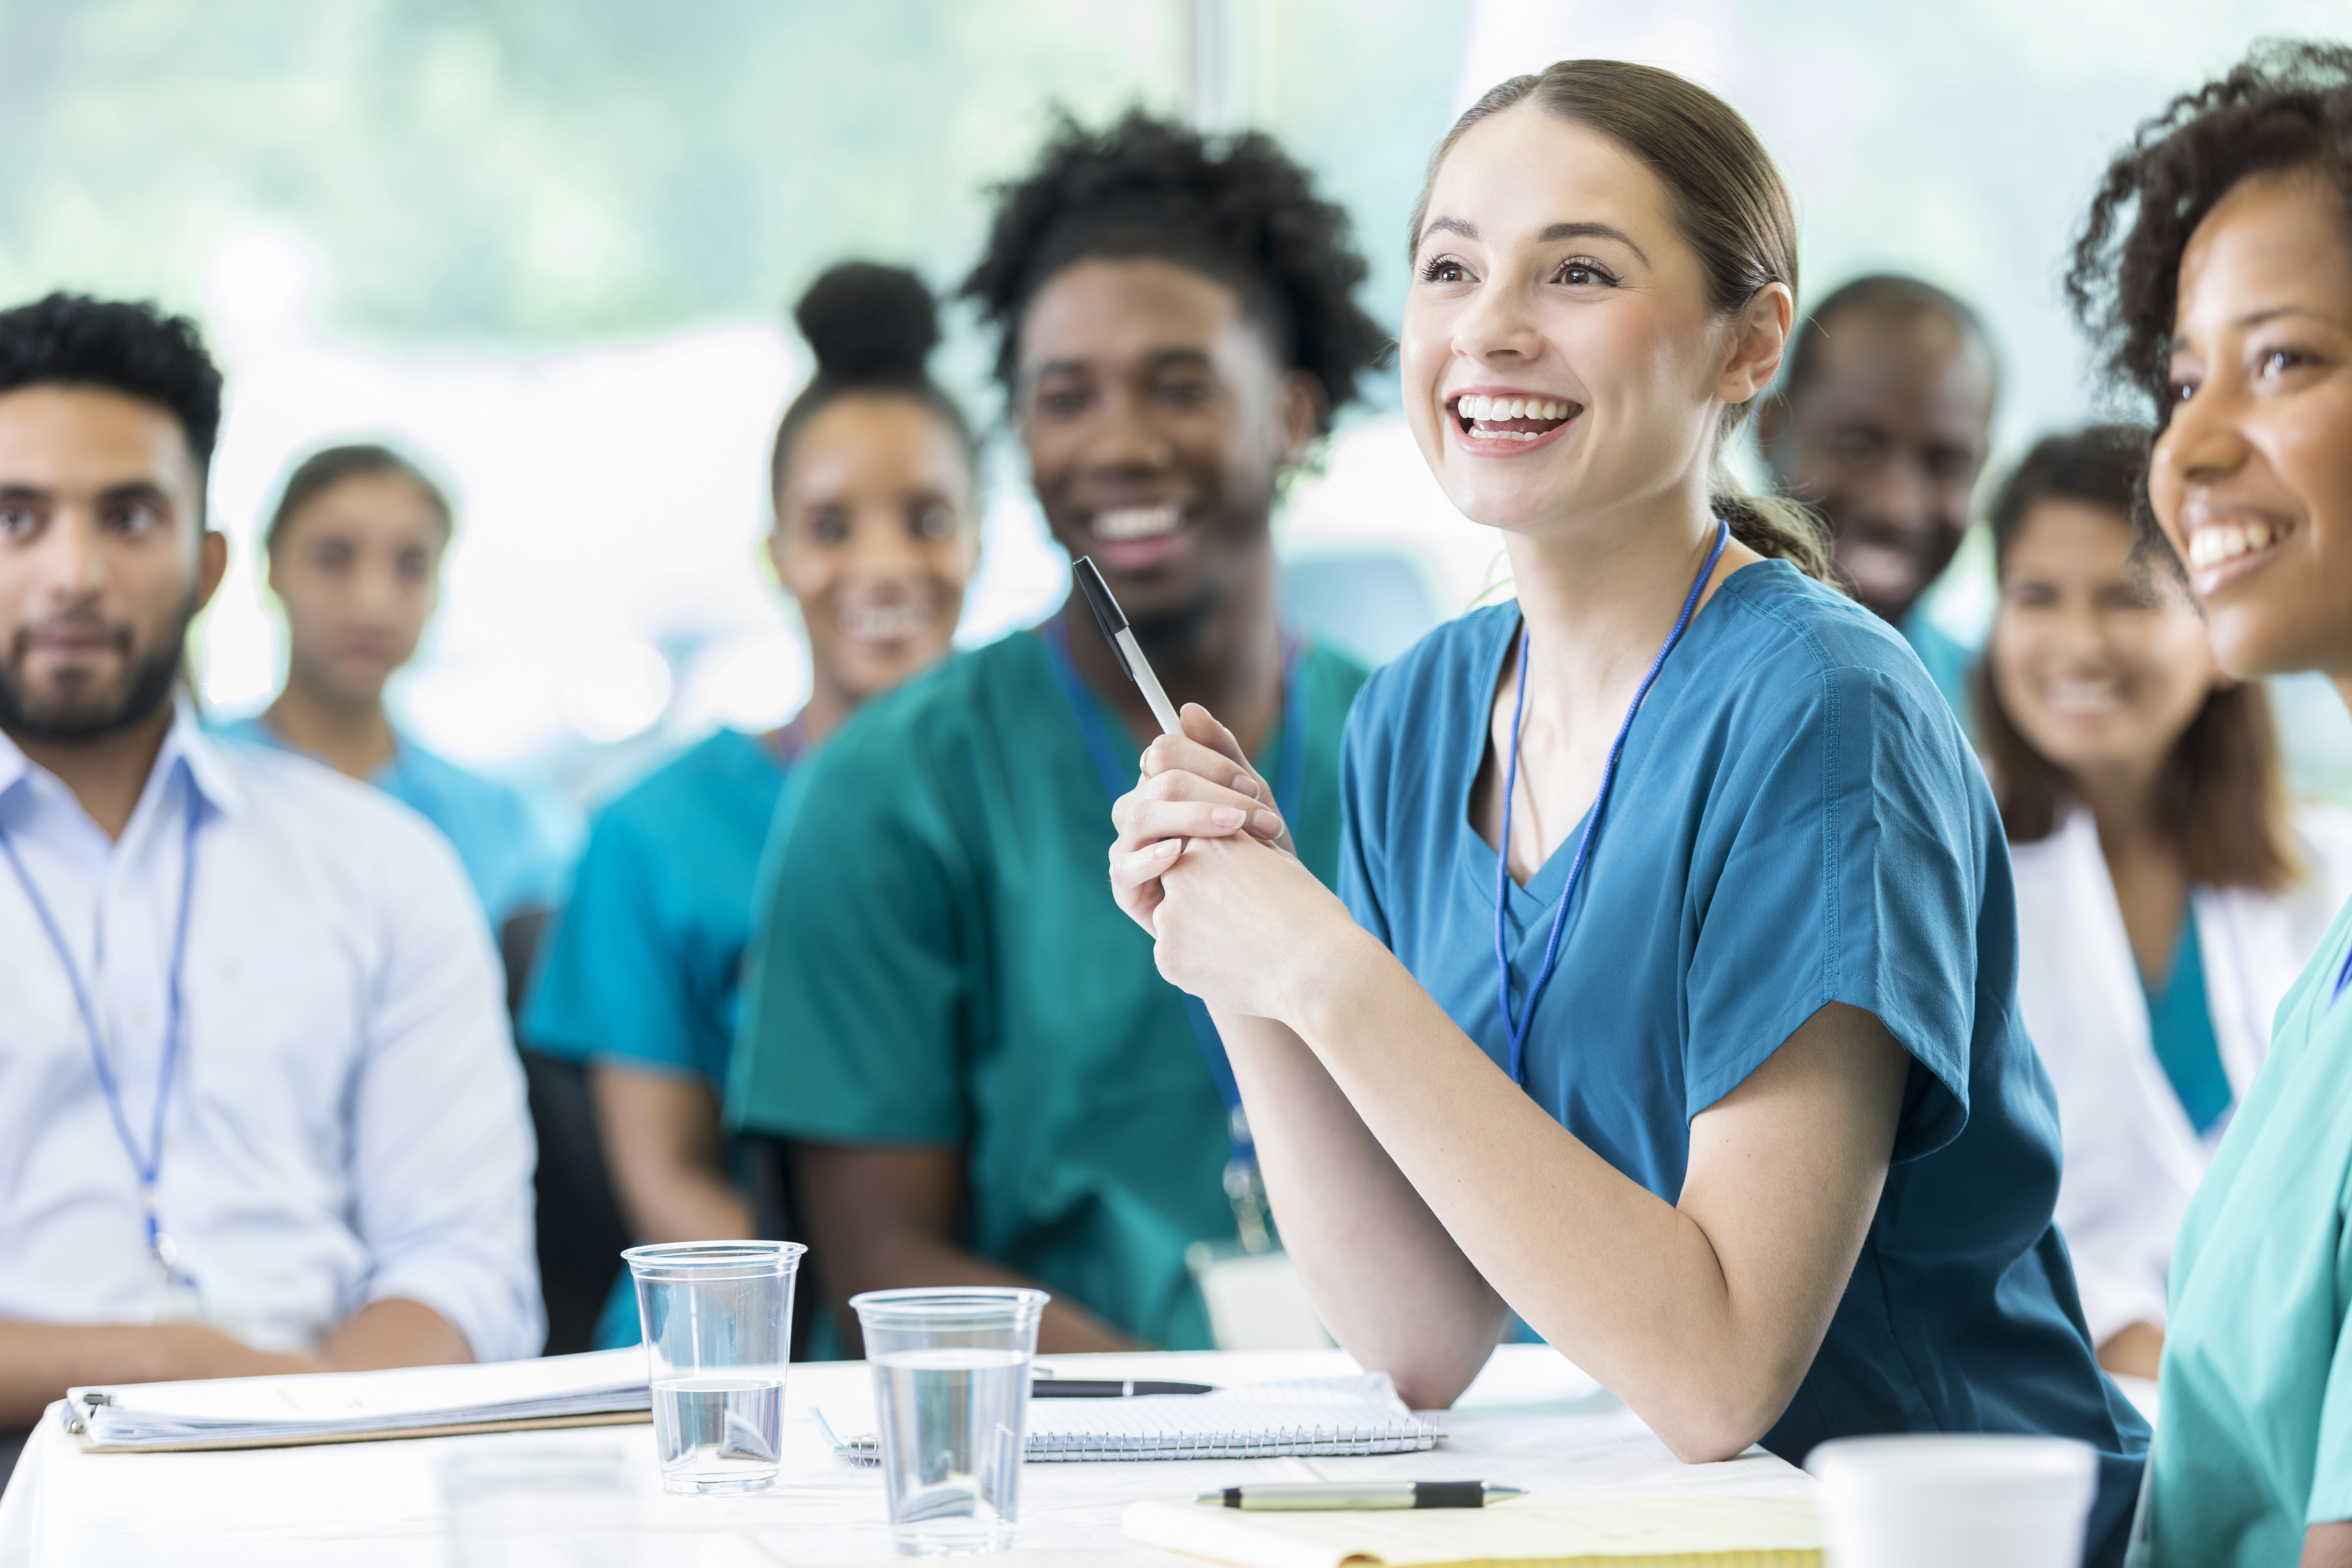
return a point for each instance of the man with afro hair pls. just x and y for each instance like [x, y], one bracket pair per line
[981, 1075]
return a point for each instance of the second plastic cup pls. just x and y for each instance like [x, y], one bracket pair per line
[717, 1319]
[952, 1409]
[1955, 1502]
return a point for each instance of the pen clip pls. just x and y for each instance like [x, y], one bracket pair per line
[1107, 614]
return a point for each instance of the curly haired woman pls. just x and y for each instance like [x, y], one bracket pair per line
[2217, 267]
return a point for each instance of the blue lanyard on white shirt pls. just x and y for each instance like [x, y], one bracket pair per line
[1118, 777]
[147, 1166]
[1518, 1031]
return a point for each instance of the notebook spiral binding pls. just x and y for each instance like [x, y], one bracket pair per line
[1395, 1437]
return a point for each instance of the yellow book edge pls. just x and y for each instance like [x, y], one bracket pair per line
[385, 1435]
[1775, 1531]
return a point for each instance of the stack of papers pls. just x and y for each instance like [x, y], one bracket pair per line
[1317, 1415]
[1526, 1532]
[601, 1387]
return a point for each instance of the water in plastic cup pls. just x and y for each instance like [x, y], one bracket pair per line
[951, 1410]
[717, 1319]
[1955, 1501]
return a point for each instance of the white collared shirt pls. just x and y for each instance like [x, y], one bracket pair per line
[347, 1121]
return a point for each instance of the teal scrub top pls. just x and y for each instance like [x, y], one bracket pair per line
[1796, 820]
[1949, 662]
[941, 965]
[2256, 1383]
[517, 850]
[646, 967]
[2180, 1026]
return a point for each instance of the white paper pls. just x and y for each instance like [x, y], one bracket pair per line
[344, 1402]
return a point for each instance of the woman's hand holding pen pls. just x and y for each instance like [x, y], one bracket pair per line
[1232, 923]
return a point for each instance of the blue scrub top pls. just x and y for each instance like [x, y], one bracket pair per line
[515, 849]
[648, 962]
[1796, 820]
[646, 968]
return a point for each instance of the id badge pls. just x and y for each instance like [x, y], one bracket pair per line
[1256, 1300]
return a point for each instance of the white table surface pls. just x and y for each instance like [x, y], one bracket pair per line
[590, 1497]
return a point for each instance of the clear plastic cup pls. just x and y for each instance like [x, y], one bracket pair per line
[717, 1319]
[1955, 1502]
[952, 1409]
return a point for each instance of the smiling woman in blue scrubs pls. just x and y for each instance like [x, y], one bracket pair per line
[878, 532]
[1672, 1002]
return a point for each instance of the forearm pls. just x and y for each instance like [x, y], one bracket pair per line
[906, 1260]
[663, 1144]
[39, 1361]
[1627, 1285]
[394, 1331]
[679, 1203]
[2328, 1545]
[1389, 1282]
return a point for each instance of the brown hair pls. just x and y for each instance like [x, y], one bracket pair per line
[1730, 206]
[322, 471]
[2221, 798]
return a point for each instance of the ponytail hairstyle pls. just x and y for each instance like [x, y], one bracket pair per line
[872, 329]
[1730, 205]
[322, 471]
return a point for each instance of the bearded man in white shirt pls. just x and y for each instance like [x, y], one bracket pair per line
[259, 1109]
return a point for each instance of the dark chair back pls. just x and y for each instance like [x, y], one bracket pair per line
[580, 1229]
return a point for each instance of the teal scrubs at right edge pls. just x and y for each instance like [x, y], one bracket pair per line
[2255, 1445]
[1796, 820]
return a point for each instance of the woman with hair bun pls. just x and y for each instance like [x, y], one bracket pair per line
[874, 475]
[1669, 998]
[2216, 269]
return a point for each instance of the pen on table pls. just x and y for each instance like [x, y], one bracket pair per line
[1361, 1494]
[1113, 621]
[1109, 1388]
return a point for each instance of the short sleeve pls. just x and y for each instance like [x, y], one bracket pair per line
[1843, 859]
[615, 982]
[858, 992]
[1364, 777]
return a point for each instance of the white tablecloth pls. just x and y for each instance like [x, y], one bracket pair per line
[591, 1497]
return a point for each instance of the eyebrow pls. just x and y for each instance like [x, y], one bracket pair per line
[2255, 319]
[1154, 359]
[1558, 231]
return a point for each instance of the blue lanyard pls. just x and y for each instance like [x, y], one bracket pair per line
[150, 1164]
[1119, 776]
[1518, 1031]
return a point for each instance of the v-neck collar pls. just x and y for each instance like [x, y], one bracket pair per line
[1476, 858]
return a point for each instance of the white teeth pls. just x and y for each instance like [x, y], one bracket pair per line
[1125, 522]
[2083, 696]
[2220, 541]
[885, 622]
[1473, 407]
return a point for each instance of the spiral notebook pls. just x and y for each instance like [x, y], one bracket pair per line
[1319, 1415]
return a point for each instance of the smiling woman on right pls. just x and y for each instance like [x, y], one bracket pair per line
[2217, 267]
[1697, 1046]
